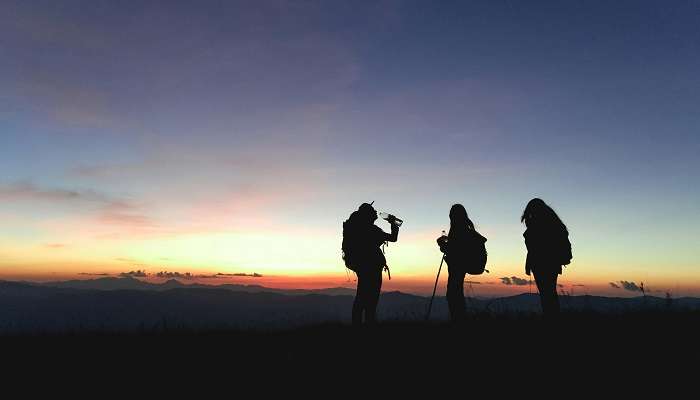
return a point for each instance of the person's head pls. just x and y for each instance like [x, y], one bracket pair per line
[459, 218]
[367, 213]
[538, 213]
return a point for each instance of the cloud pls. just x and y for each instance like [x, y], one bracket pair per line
[627, 285]
[55, 245]
[514, 280]
[253, 275]
[110, 210]
[29, 192]
[124, 214]
[134, 274]
[187, 275]
[473, 282]
[94, 273]
[519, 281]
[631, 286]
[171, 275]
[177, 275]
[98, 214]
[23, 191]
[127, 260]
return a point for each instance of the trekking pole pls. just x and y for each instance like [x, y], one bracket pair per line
[430, 305]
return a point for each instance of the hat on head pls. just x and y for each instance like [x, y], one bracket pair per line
[366, 208]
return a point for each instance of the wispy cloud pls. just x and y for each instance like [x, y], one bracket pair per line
[27, 191]
[141, 273]
[100, 208]
[514, 280]
[188, 275]
[253, 275]
[126, 260]
[134, 274]
[23, 191]
[631, 286]
[626, 285]
[166, 274]
[125, 214]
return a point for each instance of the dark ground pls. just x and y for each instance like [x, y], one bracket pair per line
[486, 346]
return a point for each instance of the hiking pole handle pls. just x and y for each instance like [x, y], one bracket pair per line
[430, 305]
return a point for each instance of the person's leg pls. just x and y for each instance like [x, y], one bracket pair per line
[450, 295]
[359, 304]
[547, 285]
[555, 299]
[374, 287]
[460, 297]
[455, 295]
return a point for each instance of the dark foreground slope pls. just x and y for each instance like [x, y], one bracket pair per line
[40, 309]
[485, 341]
[154, 336]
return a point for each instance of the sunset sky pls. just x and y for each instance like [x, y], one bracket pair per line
[235, 137]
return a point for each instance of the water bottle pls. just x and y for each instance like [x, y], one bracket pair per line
[442, 240]
[386, 216]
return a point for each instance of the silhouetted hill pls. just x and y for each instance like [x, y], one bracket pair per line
[26, 307]
[130, 283]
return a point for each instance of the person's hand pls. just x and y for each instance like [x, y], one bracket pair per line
[527, 270]
[391, 219]
[442, 242]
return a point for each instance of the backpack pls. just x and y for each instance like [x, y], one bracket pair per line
[477, 264]
[566, 255]
[349, 245]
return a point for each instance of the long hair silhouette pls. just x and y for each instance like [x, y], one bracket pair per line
[546, 239]
[540, 215]
[459, 219]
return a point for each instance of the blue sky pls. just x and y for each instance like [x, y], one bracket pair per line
[173, 123]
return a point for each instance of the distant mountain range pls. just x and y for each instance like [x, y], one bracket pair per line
[128, 304]
[130, 283]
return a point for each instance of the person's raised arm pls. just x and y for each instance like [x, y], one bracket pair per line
[394, 235]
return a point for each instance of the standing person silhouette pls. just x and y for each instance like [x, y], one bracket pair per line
[461, 248]
[548, 248]
[362, 241]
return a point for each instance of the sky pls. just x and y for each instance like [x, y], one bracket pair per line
[235, 137]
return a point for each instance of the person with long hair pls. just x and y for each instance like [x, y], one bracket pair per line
[461, 248]
[548, 248]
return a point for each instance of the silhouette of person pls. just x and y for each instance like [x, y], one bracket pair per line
[546, 239]
[460, 247]
[368, 260]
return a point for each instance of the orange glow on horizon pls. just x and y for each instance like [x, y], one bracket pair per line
[487, 285]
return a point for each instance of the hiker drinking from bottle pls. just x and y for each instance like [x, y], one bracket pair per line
[362, 241]
[465, 252]
[548, 248]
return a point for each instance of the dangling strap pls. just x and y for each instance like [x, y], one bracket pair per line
[386, 267]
